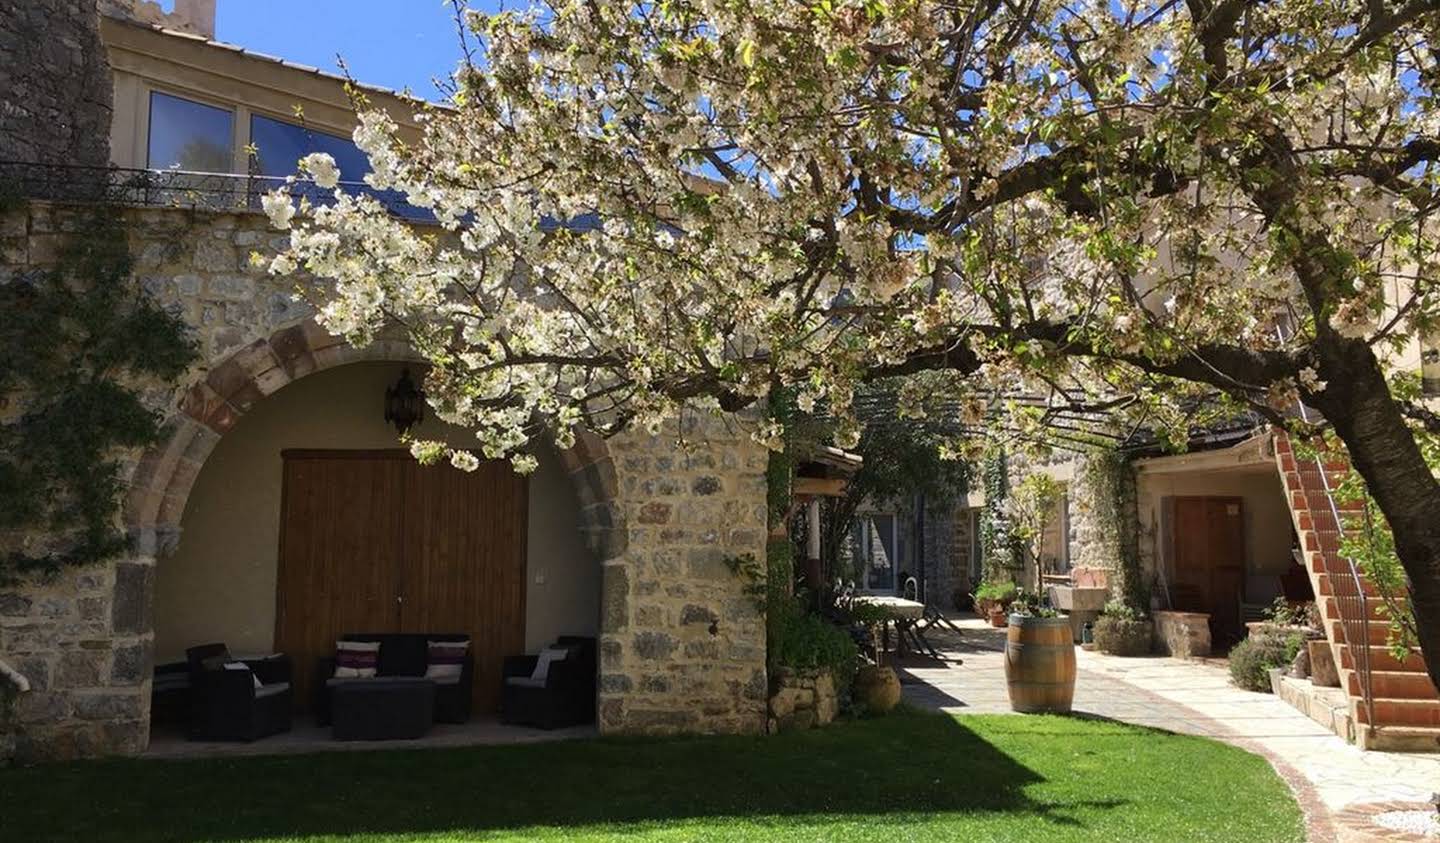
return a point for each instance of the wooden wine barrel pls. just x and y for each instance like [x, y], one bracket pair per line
[1040, 664]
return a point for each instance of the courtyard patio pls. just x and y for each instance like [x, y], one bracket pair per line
[1330, 778]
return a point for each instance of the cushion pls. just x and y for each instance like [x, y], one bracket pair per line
[446, 659]
[356, 658]
[524, 682]
[547, 656]
[245, 667]
[271, 690]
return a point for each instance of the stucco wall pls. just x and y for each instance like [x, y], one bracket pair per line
[220, 583]
[55, 85]
[1267, 520]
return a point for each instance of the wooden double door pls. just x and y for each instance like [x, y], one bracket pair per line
[1209, 555]
[372, 541]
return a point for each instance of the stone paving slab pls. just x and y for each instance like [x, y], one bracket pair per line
[1188, 697]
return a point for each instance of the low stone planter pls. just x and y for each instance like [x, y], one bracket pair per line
[1323, 671]
[1182, 634]
[801, 699]
[1122, 637]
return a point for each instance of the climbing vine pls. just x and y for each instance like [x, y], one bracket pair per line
[1111, 481]
[999, 547]
[80, 341]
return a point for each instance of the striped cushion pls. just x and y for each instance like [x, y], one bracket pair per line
[446, 659]
[356, 658]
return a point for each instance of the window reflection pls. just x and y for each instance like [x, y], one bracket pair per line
[277, 146]
[187, 135]
[873, 548]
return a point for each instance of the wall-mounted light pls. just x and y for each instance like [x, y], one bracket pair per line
[404, 404]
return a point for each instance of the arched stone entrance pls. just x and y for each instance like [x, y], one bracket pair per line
[214, 408]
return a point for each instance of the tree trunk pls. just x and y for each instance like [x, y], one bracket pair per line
[1357, 402]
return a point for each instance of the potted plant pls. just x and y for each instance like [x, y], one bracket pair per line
[1122, 631]
[993, 599]
[1039, 658]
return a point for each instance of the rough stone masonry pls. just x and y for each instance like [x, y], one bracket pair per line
[682, 646]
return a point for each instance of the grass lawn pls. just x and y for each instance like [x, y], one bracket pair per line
[911, 776]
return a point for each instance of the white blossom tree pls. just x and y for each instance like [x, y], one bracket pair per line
[1104, 205]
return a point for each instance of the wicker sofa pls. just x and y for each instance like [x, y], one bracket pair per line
[401, 654]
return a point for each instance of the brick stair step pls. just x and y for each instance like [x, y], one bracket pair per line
[1382, 659]
[1330, 610]
[1327, 585]
[1402, 712]
[1379, 632]
[1395, 684]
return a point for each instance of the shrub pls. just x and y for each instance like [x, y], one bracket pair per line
[806, 641]
[1033, 605]
[1121, 632]
[1252, 659]
[1003, 593]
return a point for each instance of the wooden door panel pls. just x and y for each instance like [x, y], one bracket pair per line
[340, 546]
[1209, 555]
[465, 540]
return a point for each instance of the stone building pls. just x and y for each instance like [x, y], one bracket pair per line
[625, 540]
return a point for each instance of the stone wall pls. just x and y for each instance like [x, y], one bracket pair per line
[196, 17]
[55, 88]
[682, 646]
[947, 553]
[802, 699]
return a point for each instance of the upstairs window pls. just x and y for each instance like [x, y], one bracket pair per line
[187, 135]
[278, 146]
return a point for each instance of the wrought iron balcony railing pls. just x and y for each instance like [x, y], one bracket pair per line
[174, 188]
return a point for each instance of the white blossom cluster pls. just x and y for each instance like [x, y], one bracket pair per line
[645, 208]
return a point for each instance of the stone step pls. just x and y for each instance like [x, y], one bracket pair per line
[1390, 711]
[1398, 738]
[1396, 684]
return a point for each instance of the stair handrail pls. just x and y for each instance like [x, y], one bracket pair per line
[1354, 627]
[1349, 575]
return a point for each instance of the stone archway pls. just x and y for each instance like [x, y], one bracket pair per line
[208, 410]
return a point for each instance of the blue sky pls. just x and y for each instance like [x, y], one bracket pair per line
[394, 43]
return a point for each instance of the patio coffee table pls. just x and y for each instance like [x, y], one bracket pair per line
[382, 708]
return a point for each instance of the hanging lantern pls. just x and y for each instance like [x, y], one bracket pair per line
[404, 404]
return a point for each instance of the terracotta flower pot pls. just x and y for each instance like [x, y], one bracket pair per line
[877, 688]
[998, 617]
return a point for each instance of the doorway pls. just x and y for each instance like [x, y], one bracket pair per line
[1208, 536]
[372, 541]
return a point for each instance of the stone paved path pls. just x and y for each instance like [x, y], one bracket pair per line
[1188, 697]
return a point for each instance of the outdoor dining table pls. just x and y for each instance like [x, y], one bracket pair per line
[904, 614]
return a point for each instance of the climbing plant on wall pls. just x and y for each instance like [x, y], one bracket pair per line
[81, 340]
[998, 546]
[1111, 481]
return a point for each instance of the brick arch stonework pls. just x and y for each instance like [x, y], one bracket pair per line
[209, 409]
